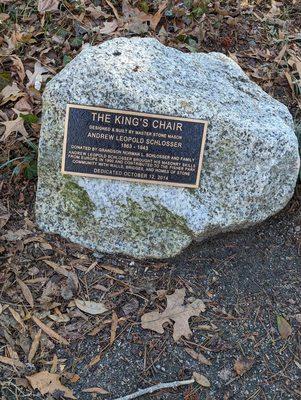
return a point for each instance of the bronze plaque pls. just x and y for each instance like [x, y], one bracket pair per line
[133, 146]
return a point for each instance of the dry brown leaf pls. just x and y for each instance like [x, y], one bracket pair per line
[12, 353]
[3, 17]
[23, 105]
[4, 215]
[198, 356]
[75, 378]
[49, 331]
[155, 19]
[17, 317]
[109, 27]
[95, 360]
[18, 64]
[243, 364]
[38, 76]
[115, 270]
[115, 12]
[201, 380]
[175, 311]
[284, 327]
[34, 346]
[113, 327]
[98, 390]
[47, 5]
[12, 236]
[57, 268]
[26, 292]
[90, 307]
[46, 382]
[11, 93]
[92, 266]
[16, 125]
[11, 361]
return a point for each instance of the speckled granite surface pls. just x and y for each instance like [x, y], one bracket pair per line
[251, 158]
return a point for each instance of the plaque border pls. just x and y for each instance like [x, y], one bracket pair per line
[151, 115]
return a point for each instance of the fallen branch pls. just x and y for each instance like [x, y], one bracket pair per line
[154, 388]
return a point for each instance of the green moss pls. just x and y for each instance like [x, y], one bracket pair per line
[77, 202]
[141, 220]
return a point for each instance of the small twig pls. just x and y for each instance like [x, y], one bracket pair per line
[154, 388]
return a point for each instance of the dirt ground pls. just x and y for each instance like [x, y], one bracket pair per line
[246, 280]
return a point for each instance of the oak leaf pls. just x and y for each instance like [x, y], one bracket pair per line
[47, 382]
[175, 311]
[11, 93]
[16, 125]
[38, 76]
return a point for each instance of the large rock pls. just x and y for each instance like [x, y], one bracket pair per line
[251, 158]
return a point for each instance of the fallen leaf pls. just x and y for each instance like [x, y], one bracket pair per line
[98, 390]
[12, 236]
[155, 19]
[49, 331]
[198, 356]
[23, 105]
[4, 17]
[34, 346]
[201, 380]
[15, 125]
[115, 270]
[284, 327]
[18, 64]
[4, 215]
[90, 307]
[57, 268]
[26, 292]
[243, 364]
[11, 93]
[47, 382]
[113, 327]
[38, 76]
[47, 5]
[17, 317]
[175, 311]
[12, 362]
[113, 9]
[92, 266]
[109, 27]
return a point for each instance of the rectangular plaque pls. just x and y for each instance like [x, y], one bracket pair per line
[133, 146]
